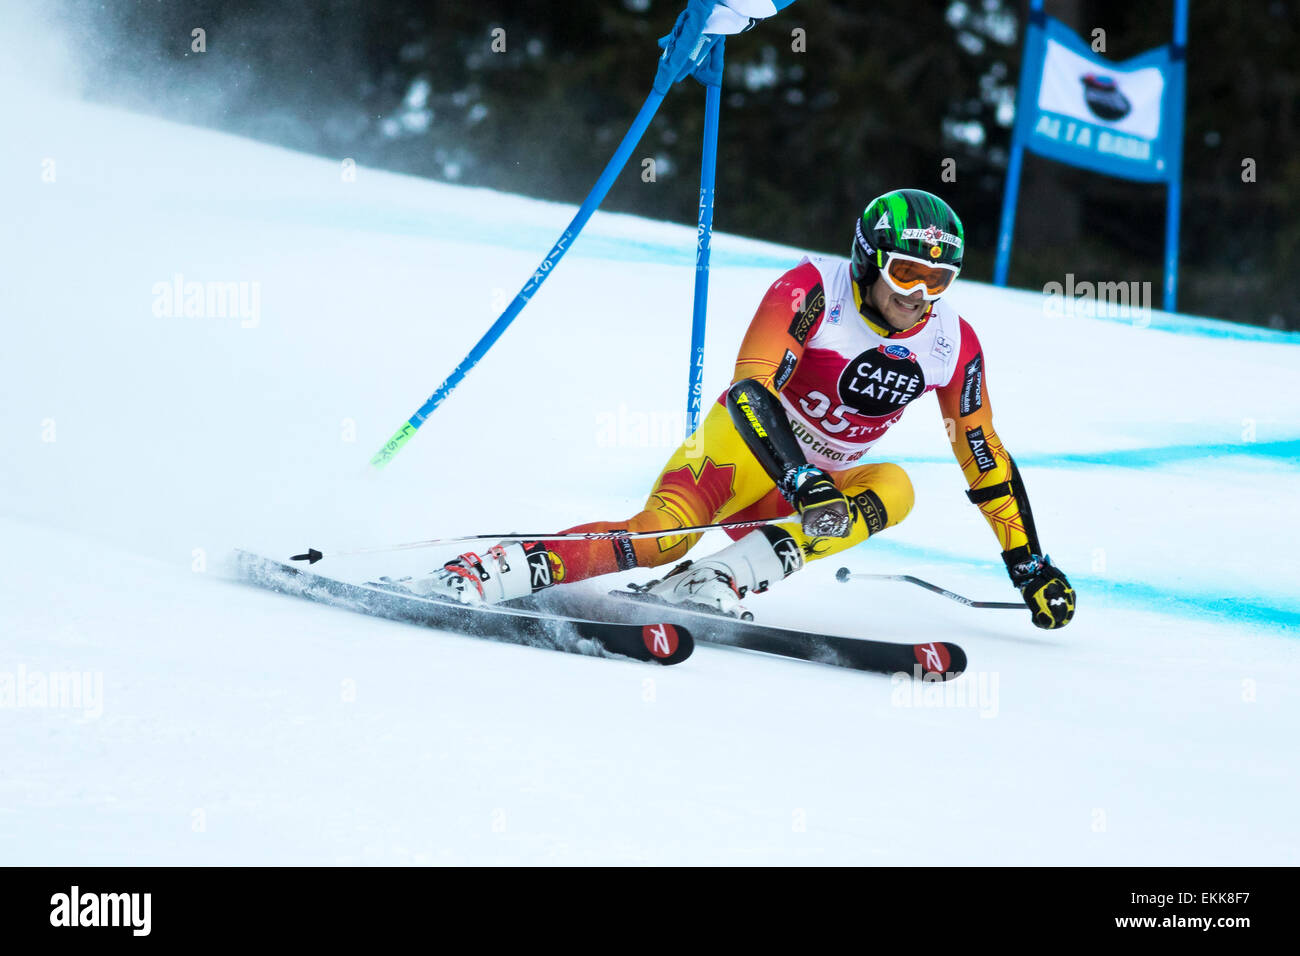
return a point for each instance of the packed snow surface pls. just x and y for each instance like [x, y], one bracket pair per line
[200, 721]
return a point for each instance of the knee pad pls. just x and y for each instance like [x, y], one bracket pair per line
[652, 552]
[895, 490]
[885, 498]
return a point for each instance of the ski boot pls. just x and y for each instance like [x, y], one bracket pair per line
[502, 573]
[719, 583]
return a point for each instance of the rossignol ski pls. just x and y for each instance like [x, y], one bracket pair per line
[658, 641]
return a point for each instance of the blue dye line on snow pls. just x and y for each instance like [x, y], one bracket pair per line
[1276, 611]
[1272, 611]
[591, 244]
[1209, 328]
[1285, 452]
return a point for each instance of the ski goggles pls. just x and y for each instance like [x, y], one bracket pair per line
[905, 274]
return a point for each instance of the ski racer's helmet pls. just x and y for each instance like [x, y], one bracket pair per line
[910, 237]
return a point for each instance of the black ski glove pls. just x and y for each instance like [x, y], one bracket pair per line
[1047, 593]
[823, 508]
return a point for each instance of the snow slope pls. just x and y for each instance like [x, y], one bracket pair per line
[226, 725]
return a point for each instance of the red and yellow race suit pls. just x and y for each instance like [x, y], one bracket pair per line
[843, 381]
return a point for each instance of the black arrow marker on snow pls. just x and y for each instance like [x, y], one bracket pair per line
[311, 557]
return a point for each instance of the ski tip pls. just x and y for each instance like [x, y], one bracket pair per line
[940, 658]
[667, 643]
[311, 557]
[842, 574]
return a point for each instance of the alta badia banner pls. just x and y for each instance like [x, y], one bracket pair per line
[1115, 118]
[1123, 119]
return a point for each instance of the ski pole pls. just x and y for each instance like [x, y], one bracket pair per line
[845, 575]
[311, 555]
[593, 200]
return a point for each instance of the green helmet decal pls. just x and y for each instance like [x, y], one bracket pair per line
[911, 221]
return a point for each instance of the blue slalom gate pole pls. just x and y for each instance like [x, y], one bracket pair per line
[1174, 191]
[1011, 192]
[589, 205]
[704, 237]
[1007, 228]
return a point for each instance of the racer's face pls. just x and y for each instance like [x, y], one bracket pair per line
[900, 311]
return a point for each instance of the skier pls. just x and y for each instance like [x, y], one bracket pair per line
[837, 351]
